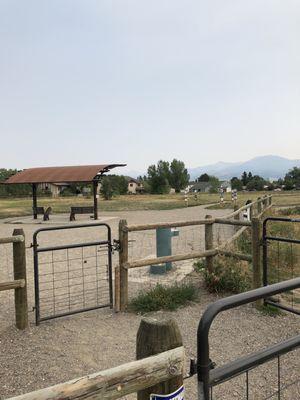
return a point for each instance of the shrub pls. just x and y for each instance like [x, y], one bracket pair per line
[163, 298]
[228, 275]
[290, 211]
[244, 243]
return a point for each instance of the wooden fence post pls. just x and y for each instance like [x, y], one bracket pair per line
[156, 335]
[270, 200]
[237, 216]
[19, 258]
[256, 255]
[123, 259]
[117, 289]
[259, 208]
[209, 243]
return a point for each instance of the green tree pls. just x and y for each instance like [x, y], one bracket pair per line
[256, 183]
[178, 175]
[244, 178]
[236, 183]
[203, 178]
[158, 178]
[292, 179]
[215, 184]
[12, 190]
[106, 189]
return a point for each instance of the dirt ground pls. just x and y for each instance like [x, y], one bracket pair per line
[70, 347]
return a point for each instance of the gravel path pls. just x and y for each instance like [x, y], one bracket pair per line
[70, 347]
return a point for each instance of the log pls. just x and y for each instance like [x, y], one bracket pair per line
[160, 260]
[116, 382]
[178, 224]
[155, 335]
[240, 256]
[223, 221]
[20, 283]
[12, 239]
[19, 258]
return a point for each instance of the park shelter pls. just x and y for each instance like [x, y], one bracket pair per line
[68, 174]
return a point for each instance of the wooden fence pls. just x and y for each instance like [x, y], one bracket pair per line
[256, 209]
[161, 372]
[19, 282]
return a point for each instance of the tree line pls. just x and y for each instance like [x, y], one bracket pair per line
[160, 178]
[248, 181]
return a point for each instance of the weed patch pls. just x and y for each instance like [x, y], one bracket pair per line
[163, 298]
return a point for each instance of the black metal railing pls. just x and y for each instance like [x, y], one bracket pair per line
[208, 377]
[72, 277]
[281, 259]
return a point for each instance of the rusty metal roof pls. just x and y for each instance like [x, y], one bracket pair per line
[68, 174]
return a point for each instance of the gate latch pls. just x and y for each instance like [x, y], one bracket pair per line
[116, 246]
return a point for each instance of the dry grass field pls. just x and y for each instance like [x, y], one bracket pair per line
[15, 207]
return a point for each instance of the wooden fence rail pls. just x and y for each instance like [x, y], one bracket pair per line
[256, 209]
[19, 282]
[166, 367]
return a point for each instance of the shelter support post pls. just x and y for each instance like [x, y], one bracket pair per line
[95, 194]
[34, 200]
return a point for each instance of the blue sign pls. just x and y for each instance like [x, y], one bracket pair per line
[178, 395]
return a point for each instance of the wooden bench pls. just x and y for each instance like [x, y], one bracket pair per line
[80, 210]
[42, 211]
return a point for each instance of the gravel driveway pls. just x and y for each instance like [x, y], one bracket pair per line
[70, 347]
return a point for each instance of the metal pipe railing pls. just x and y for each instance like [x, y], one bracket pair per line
[204, 363]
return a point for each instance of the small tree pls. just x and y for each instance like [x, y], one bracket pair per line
[236, 183]
[158, 178]
[178, 175]
[106, 189]
[203, 178]
[292, 178]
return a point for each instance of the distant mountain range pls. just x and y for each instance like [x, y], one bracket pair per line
[266, 166]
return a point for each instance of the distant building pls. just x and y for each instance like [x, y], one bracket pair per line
[226, 186]
[54, 188]
[201, 187]
[135, 186]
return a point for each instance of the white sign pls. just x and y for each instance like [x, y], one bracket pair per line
[178, 395]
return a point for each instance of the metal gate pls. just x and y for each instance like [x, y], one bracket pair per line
[75, 277]
[268, 374]
[281, 259]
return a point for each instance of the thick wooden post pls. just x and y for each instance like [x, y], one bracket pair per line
[34, 200]
[123, 259]
[117, 288]
[256, 255]
[251, 212]
[156, 335]
[237, 216]
[19, 257]
[95, 195]
[209, 243]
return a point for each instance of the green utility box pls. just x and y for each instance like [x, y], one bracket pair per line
[163, 248]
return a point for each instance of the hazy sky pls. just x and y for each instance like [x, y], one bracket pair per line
[93, 81]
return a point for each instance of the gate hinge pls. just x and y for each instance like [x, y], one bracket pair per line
[194, 367]
[116, 246]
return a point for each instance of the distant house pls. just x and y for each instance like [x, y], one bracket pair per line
[226, 186]
[201, 187]
[54, 188]
[135, 186]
